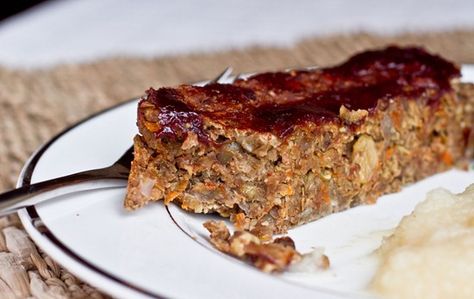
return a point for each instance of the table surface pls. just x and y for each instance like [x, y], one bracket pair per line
[73, 30]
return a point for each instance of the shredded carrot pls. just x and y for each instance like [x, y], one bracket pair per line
[325, 194]
[388, 153]
[447, 158]
[396, 117]
[239, 221]
[153, 127]
[171, 196]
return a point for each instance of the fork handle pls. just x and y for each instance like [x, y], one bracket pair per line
[28, 195]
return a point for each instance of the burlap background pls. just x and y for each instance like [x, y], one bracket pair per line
[35, 105]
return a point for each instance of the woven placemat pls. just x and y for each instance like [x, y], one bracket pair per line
[35, 105]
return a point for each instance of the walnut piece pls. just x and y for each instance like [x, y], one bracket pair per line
[364, 153]
[352, 116]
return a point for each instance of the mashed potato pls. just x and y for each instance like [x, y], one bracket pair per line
[431, 252]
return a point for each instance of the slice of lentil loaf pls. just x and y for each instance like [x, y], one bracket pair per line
[280, 149]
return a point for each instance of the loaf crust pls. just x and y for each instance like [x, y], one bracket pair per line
[281, 149]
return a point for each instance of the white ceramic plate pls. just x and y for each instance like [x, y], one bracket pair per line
[158, 252]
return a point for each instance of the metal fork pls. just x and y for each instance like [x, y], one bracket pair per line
[115, 175]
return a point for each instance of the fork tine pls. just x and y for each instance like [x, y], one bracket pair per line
[236, 77]
[221, 76]
[126, 158]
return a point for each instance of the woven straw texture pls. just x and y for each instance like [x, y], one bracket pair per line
[35, 105]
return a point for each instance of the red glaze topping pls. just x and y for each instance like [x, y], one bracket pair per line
[276, 102]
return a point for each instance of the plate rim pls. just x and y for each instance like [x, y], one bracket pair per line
[44, 238]
[35, 228]
[81, 267]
